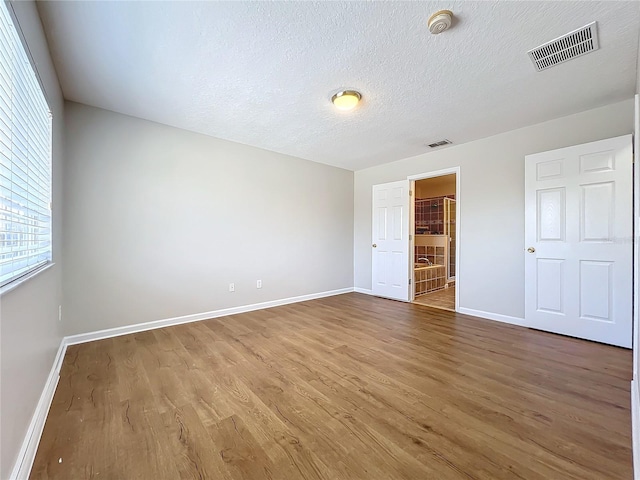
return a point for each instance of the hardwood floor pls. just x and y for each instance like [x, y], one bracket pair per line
[346, 387]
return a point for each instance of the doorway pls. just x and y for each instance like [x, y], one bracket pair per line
[434, 225]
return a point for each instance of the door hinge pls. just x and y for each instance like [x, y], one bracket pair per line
[410, 193]
[410, 237]
[409, 281]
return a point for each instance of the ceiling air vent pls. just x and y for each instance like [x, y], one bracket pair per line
[574, 44]
[439, 144]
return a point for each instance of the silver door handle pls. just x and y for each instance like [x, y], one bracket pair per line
[531, 250]
[374, 245]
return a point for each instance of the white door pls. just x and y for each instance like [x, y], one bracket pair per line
[390, 240]
[578, 233]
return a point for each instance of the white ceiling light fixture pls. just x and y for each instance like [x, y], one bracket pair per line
[440, 21]
[346, 99]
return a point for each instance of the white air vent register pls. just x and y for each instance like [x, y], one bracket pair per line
[574, 44]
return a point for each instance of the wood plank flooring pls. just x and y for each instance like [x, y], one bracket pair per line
[346, 387]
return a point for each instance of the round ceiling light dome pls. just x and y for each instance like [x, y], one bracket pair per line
[346, 99]
[440, 21]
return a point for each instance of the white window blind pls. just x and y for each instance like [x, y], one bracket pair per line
[25, 160]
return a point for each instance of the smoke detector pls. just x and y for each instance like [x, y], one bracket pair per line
[440, 21]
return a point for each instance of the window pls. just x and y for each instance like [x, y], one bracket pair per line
[25, 160]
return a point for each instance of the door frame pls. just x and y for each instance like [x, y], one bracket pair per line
[635, 392]
[412, 225]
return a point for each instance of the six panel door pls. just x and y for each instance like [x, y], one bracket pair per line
[390, 240]
[578, 234]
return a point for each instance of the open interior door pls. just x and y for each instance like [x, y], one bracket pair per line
[390, 240]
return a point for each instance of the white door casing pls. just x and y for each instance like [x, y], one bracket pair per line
[578, 234]
[390, 240]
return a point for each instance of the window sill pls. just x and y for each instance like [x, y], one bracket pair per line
[16, 283]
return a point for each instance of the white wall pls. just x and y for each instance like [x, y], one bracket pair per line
[491, 202]
[29, 329]
[160, 220]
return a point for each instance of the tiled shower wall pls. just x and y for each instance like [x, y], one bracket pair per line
[430, 214]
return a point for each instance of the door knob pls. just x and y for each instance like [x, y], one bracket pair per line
[531, 250]
[374, 245]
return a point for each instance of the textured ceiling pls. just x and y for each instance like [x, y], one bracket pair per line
[262, 73]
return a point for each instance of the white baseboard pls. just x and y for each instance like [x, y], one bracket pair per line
[635, 428]
[141, 327]
[493, 316]
[366, 291]
[27, 454]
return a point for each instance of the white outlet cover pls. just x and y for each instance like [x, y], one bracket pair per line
[232, 287]
[259, 284]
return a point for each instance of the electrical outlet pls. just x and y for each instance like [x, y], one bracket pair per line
[59, 313]
[232, 287]
[259, 284]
